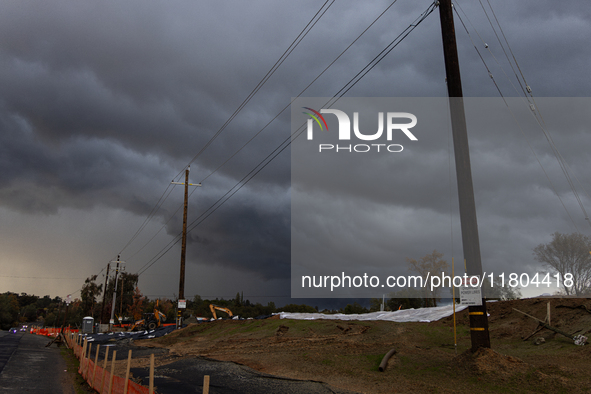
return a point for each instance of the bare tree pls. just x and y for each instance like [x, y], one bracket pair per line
[568, 254]
[496, 290]
[429, 265]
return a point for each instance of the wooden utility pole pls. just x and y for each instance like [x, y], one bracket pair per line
[179, 320]
[470, 242]
[105, 293]
[184, 241]
[121, 301]
[112, 320]
[66, 313]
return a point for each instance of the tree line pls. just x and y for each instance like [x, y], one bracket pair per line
[565, 254]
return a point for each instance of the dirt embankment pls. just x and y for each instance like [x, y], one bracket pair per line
[346, 354]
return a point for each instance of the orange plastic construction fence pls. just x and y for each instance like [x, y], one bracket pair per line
[97, 377]
[102, 379]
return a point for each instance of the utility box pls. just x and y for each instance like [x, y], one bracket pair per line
[87, 325]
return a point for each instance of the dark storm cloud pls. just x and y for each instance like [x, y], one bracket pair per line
[101, 105]
[371, 211]
[247, 238]
[91, 92]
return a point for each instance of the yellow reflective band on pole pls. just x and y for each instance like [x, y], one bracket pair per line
[476, 329]
[476, 313]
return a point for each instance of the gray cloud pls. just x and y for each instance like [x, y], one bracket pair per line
[102, 105]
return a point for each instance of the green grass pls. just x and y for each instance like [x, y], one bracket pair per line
[425, 353]
[374, 361]
[72, 365]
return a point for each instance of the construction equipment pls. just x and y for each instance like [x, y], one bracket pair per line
[213, 307]
[151, 321]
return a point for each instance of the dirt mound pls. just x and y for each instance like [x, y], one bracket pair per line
[281, 330]
[346, 354]
[487, 361]
[572, 315]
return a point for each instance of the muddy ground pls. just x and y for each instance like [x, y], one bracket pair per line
[346, 354]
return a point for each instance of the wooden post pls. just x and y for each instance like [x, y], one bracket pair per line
[151, 387]
[548, 314]
[86, 362]
[206, 384]
[127, 373]
[179, 319]
[470, 241]
[83, 356]
[104, 369]
[81, 353]
[95, 363]
[112, 372]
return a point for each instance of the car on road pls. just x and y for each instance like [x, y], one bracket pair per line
[13, 330]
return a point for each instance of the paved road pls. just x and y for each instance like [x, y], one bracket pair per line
[27, 366]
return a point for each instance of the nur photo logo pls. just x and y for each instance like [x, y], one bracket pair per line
[394, 124]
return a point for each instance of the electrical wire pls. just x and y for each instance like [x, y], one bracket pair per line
[271, 156]
[528, 91]
[149, 217]
[236, 187]
[303, 91]
[537, 115]
[323, 9]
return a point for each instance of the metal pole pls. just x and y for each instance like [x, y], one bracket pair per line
[470, 241]
[121, 308]
[111, 321]
[105, 293]
[65, 317]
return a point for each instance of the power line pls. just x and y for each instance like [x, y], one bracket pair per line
[177, 239]
[562, 162]
[274, 68]
[149, 217]
[537, 115]
[323, 9]
[302, 92]
[271, 156]
[160, 229]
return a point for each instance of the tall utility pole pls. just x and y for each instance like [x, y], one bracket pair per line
[105, 293]
[112, 321]
[68, 300]
[121, 297]
[470, 242]
[179, 319]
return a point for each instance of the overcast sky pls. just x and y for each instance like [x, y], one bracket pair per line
[103, 105]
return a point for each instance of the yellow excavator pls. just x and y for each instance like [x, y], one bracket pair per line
[213, 307]
[150, 321]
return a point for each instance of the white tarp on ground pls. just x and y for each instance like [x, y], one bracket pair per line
[405, 315]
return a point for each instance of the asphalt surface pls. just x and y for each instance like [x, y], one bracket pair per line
[186, 376]
[27, 366]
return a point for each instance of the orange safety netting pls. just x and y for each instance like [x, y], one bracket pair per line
[97, 377]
